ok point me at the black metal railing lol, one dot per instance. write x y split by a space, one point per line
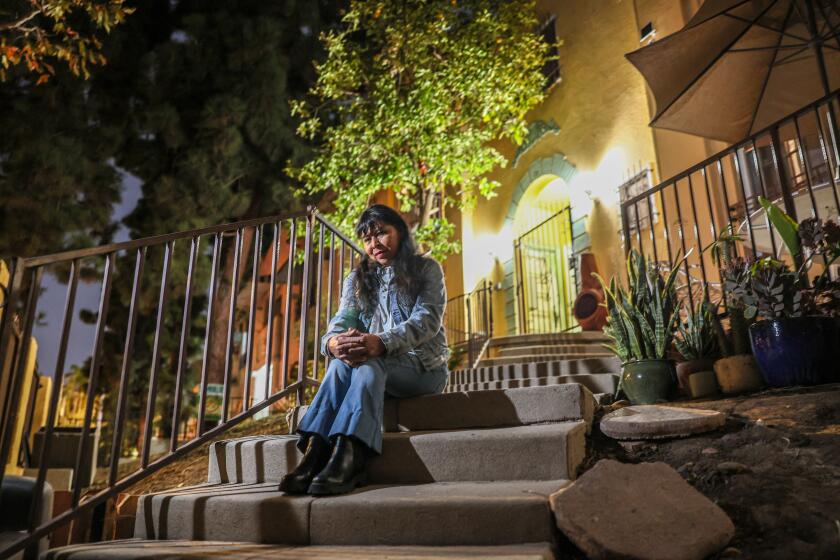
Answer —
157 324
545 273
469 322
794 163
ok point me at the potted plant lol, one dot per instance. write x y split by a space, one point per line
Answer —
698 345
796 338
640 322
736 371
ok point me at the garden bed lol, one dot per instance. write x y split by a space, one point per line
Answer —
774 468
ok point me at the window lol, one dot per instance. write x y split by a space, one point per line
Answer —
639 214
551 69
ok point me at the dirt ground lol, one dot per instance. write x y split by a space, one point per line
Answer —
774 468
192 468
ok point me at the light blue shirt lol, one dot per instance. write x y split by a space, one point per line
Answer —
422 330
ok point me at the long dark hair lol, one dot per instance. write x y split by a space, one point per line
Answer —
406 262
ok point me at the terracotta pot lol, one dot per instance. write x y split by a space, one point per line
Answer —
648 381
738 374
588 311
685 369
702 384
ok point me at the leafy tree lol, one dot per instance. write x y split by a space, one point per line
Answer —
409 98
55 175
199 92
212 126
37 33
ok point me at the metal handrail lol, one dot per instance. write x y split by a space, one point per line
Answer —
729 150
721 191
24 288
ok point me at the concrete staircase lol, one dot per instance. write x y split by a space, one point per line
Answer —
534 360
462 475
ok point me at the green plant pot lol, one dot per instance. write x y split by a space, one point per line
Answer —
648 381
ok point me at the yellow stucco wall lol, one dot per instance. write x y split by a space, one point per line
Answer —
602 111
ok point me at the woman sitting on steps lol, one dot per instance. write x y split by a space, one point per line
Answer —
387 337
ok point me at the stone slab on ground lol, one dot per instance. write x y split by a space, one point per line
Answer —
135 548
658 421
645 511
534 452
438 514
230 512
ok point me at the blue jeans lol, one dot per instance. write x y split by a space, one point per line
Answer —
350 400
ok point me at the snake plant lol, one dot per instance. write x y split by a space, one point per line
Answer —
697 338
641 318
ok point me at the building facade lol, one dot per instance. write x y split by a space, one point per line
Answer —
590 145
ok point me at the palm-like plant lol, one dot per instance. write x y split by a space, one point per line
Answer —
642 318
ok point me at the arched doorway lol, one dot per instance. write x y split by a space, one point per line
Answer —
537 284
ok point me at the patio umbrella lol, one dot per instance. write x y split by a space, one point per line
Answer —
740 65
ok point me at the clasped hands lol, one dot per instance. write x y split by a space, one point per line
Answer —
354 347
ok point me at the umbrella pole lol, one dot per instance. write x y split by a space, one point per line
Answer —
816 45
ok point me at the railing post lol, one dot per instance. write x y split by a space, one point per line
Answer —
625 227
10 399
304 305
784 184
469 332
490 310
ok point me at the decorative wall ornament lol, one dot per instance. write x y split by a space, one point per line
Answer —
556 165
536 130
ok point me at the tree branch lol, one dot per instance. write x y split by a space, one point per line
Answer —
20 22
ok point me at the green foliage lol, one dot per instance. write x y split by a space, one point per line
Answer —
642 318
409 99
733 270
784 225
768 289
35 34
696 338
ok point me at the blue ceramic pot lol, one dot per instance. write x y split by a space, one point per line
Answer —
797 351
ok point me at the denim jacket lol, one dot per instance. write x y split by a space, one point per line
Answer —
422 331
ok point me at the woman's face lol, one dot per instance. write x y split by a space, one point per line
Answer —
381 243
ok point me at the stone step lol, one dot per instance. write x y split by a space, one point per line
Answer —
531 358
435 514
586 337
539 349
597 383
488 409
491 409
533 452
207 550
530 370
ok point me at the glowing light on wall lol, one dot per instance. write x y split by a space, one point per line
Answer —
480 252
600 183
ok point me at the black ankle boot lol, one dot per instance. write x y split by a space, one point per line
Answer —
316 456
345 469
